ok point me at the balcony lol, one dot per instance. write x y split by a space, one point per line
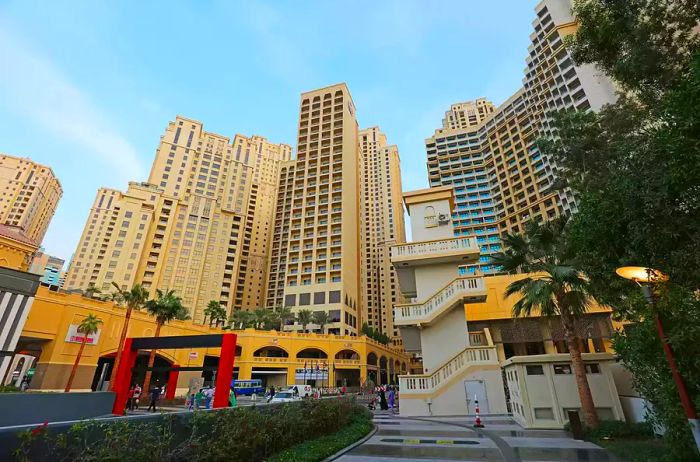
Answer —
461 290
458 249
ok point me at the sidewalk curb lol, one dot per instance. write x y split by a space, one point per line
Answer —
352 446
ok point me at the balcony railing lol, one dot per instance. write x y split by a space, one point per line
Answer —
433 249
430 383
445 298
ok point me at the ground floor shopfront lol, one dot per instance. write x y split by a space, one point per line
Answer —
50 336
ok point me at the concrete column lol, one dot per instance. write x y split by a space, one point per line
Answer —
501 352
549 347
363 373
245 370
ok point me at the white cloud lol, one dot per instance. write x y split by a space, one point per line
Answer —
32 86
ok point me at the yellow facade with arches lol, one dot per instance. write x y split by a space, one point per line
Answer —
270 355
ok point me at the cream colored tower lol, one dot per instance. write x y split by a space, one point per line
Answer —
383 226
29 195
191 226
322 267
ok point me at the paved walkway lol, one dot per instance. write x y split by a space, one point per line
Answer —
442 439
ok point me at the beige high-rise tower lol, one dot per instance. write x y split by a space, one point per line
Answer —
319 268
29 195
383 226
200 225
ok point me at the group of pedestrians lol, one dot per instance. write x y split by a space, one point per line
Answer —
387 395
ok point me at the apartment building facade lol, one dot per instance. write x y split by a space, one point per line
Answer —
49 267
316 246
29 194
196 226
488 154
382 222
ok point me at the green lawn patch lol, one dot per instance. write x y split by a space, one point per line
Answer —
325 446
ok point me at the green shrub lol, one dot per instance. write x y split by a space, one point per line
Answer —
619 429
9 389
250 433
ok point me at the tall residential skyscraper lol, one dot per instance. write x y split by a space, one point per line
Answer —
29 195
383 226
500 178
198 226
319 268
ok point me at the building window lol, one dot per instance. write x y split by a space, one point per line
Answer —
319 298
334 296
290 300
592 368
535 369
562 369
304 299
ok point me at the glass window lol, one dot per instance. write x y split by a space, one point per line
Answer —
534 369
592 368
562 369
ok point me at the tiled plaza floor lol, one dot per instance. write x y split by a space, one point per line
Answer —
443 439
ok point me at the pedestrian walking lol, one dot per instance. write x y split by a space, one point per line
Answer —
130 398
391 398
137 395
155 395
382 400
272 393
198 399
232 401
190 401
208 394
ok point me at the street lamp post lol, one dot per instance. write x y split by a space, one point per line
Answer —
651 276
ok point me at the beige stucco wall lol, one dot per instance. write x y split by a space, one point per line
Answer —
444 340
535 396
418 228
453 399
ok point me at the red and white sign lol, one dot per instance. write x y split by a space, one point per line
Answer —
194 355
73 336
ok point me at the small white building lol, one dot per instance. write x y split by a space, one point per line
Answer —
543 388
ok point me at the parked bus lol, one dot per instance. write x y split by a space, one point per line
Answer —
247 387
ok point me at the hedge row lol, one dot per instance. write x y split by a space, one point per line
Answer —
250 434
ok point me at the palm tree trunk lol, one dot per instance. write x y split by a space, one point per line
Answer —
589 414
151 360
120 347
75 364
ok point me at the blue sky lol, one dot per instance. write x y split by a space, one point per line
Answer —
87 87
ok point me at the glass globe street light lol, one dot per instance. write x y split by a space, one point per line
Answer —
646 278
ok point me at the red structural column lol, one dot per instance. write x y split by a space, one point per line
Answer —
123 378
172 382
225 372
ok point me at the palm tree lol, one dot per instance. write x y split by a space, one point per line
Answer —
272 320
134 300
219 315
321 318
165 307
215 312
304 317
88 326
92 290
553 287
241 319
284 314
261 317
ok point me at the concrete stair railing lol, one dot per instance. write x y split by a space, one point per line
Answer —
427 311
428 384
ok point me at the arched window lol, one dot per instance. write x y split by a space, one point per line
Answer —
430 217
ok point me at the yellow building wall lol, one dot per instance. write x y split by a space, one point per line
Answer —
497 306
52 313
14 254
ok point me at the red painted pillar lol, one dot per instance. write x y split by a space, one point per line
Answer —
225 372
123 378
172 382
